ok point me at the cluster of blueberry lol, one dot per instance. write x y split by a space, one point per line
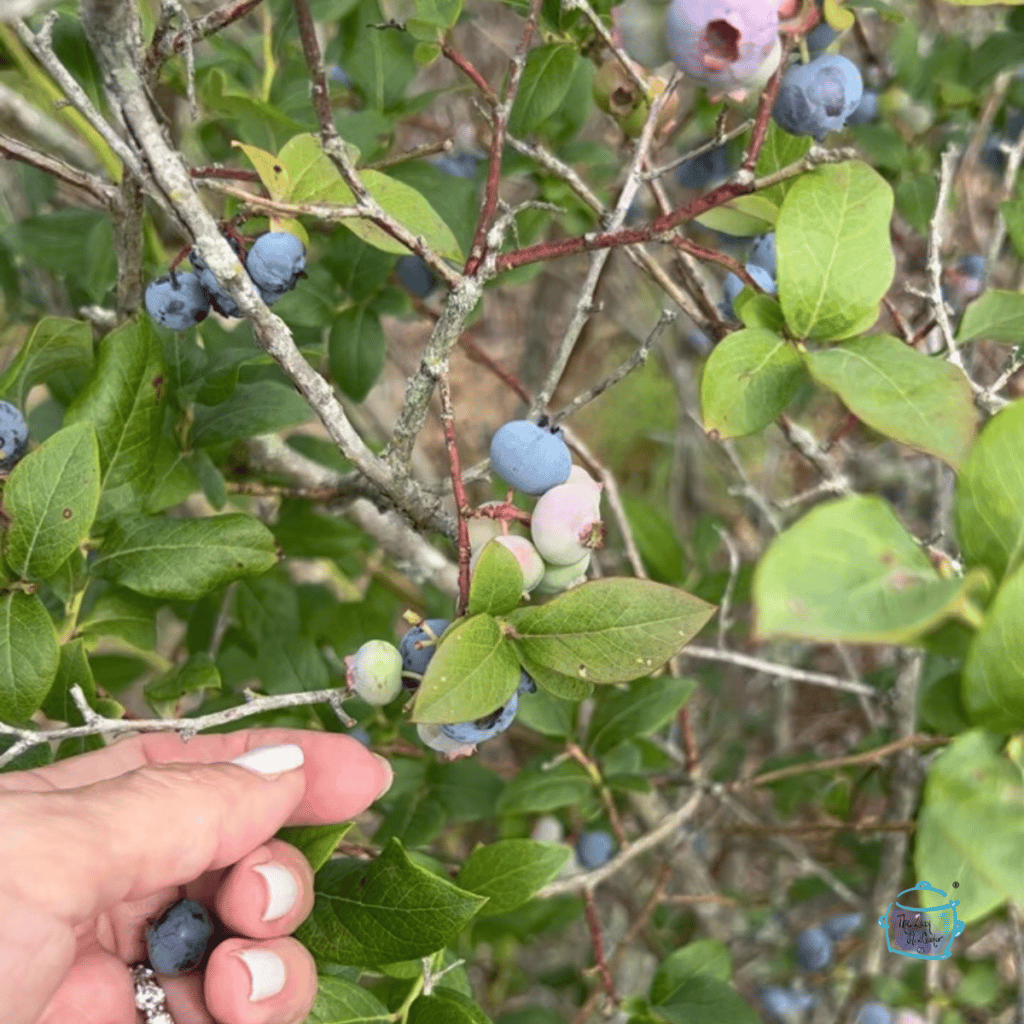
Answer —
565 527
761 265
13 437
181 299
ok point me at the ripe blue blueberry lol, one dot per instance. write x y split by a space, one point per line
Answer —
416 658
867 110
458 165
820 38
594 848
817 98
336 73
484 728
177 301
13 437
530 457
361 736
219 298
732 286
762 254
707 168
785 1006
874 1013
841 925
414 273
526 683
275 262
176 941
813 949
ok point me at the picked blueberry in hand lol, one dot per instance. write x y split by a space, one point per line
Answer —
176 941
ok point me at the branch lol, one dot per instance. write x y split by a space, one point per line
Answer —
102 192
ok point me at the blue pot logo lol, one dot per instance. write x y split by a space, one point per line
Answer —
923 933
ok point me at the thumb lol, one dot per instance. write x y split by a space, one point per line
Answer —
81 850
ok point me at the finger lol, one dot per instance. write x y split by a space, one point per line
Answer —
96 990
342 777
275 984
268 893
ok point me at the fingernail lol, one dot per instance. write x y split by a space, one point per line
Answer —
282 890
271 760
266 969
389 775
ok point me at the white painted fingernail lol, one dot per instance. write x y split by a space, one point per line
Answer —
272 760
282 888
267 971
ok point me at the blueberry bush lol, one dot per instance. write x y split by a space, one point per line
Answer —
633 454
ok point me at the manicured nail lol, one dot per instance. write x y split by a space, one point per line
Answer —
272 760
266 969
282 890
389 775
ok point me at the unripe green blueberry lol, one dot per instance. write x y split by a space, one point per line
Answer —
375 672
525 554
557 578
566 523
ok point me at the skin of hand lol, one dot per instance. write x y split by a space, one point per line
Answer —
92 846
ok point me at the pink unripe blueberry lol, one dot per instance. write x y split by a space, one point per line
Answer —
566 523
578 475
526 555
557 578
375 672
727 44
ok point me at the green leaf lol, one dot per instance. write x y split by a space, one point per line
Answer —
510 871
832 220
988 508
610 631
535 790
780 149
706 1001
185 558
643 708
916 195
357 348
197 673
315 842
996 315
749 378
446 1006
1013 214
122 614
259 408
124 401
704 958
465 789
50 501
29 656
849 572
543 86
970 827
343 1002
497 583
56 343
556 683
473 671
992 692
922 401
314 179
369 914
743 216
546 714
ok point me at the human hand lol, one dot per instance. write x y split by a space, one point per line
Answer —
92 846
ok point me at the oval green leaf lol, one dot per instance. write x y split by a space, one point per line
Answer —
51 500
922 401
748 379
834 252
497 583
29 656
510 871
